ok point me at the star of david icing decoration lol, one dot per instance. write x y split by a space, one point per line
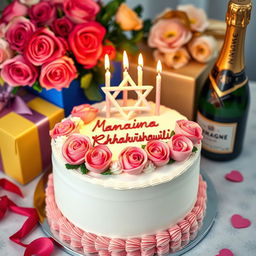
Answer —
127 85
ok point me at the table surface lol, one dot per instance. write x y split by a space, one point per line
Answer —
233 198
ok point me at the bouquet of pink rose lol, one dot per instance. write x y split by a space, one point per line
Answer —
49 43
179 35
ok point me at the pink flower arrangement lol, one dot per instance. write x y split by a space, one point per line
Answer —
62 40
75 148
174 31
63 128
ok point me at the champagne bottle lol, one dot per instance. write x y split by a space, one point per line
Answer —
224 100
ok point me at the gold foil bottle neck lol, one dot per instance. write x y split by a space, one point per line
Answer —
239 13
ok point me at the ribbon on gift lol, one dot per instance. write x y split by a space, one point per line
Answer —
25 142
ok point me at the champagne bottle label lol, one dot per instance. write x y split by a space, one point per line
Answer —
225 82
218 137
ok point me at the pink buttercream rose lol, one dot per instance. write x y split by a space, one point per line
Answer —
190 129
158 152
18 33
133 160
75 148
5 51
58 73
80 11
62 26
12 10
86 43
43 13
98 159
43 47
18 72
168 35
180 147
63 128
86 112
197 17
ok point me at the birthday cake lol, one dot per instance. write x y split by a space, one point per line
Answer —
126 177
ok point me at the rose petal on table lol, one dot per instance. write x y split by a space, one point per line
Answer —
225 252
239 221
234 176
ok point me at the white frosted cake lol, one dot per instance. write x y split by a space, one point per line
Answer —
126 187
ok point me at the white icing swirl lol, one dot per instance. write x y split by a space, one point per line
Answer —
150 167
115 168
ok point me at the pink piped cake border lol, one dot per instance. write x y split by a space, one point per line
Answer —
164 242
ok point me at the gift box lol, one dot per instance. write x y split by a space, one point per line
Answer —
67 98
25 149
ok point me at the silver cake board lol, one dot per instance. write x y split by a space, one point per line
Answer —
208 221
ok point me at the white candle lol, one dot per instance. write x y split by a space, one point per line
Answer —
107 84
158 88
140 71
125 73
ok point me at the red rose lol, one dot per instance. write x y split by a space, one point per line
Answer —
43 47
18 32
110 50
80 11
58 73
86 43
12 10
62 26
42 13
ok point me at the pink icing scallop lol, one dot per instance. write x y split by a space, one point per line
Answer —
116 245
133 245
88 242
163 242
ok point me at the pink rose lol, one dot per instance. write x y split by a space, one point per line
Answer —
58 74
133 160
86 112
190 129
63 128
62 26
86 43
5 51
43 47
12 10
158 152
75 148
18 72
197 17
18 33
80 11
42 13
98 159
168 35
180 147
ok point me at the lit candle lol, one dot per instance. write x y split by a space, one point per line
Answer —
125 74
140 71
107 83
158 88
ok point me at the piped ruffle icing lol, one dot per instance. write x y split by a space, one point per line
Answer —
164 242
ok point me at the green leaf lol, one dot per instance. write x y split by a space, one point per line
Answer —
147 25
86 80
129 47
15 90
138 9
83 169
171 161
72 167
137 36
107 172
194 149
143 146
37 87
93 93
59 13
172 133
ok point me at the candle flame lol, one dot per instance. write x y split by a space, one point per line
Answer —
107 64
140 60
125 61
159 67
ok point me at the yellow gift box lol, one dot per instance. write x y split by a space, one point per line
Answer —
25 149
